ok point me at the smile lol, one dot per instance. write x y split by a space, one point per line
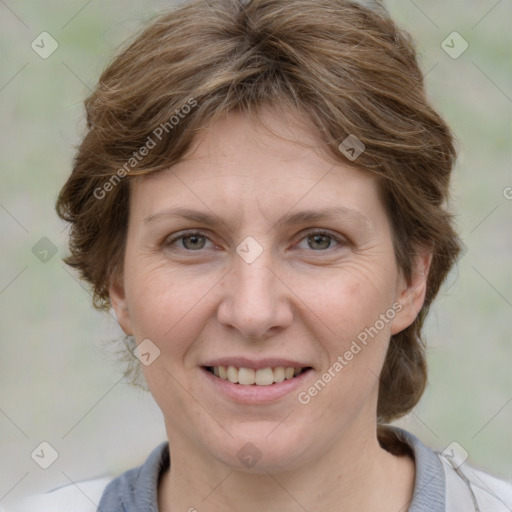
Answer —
255 377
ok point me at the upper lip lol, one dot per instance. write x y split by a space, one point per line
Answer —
255 364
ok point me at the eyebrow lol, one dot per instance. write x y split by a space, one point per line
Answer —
301 217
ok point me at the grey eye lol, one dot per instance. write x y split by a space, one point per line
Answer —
319 242
193 242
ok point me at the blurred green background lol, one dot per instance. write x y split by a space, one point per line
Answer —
59 380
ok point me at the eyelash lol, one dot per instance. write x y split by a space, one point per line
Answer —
187 234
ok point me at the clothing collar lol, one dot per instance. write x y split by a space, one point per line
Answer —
430 483
137 489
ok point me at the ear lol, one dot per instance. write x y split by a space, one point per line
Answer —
119 304
411 294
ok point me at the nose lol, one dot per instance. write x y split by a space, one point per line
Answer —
255 300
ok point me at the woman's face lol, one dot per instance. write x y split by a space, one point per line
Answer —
292 266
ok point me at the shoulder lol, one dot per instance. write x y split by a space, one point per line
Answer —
474 488
136 488
80 497
446 484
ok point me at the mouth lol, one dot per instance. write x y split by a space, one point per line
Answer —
249 381
268 376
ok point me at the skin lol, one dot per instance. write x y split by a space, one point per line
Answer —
305 299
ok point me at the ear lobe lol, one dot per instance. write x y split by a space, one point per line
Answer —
119 304
412 293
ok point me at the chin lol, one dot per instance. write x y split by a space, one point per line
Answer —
261 448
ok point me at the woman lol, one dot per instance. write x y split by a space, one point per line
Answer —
261 199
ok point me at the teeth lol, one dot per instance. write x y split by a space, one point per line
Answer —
279 373
232 374
264 377
261 377
246 376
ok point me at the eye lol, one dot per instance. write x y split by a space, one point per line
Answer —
191 241
195 241
322 240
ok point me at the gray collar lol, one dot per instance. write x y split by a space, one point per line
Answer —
430 483
137 489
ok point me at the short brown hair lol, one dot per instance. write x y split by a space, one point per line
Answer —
345 65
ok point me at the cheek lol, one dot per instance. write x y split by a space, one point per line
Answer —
353 308
351 299
356 312
166 305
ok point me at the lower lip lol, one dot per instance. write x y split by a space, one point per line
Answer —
254 394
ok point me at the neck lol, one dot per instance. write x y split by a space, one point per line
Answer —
354 474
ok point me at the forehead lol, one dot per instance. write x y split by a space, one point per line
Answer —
237 140
269 165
